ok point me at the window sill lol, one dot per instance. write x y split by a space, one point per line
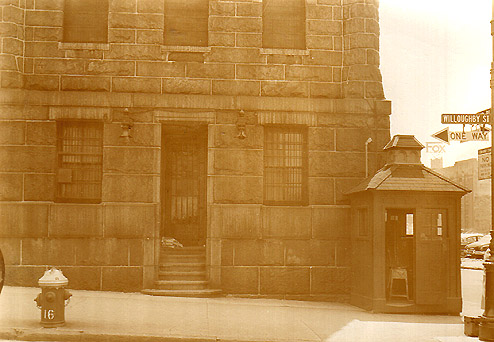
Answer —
179 48
297 52
83 46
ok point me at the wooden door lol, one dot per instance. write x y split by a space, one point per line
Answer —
184 186
431 257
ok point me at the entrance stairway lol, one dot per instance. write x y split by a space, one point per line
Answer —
182 273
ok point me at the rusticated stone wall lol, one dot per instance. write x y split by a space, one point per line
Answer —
333 87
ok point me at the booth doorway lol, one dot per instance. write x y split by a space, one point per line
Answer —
183 183
400 255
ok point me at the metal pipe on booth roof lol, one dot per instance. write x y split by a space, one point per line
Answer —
367 156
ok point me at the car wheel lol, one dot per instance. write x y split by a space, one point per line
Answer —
2 271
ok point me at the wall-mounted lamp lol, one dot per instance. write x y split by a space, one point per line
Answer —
241 123
126 125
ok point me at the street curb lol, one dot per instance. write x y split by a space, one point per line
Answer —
63 335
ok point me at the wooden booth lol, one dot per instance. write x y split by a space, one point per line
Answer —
406 236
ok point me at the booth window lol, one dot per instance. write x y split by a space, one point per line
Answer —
283 24
362 221
409 224
79 161
186 23
285 165
85 21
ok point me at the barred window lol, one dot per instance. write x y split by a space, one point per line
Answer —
80 160
285 165
186 22
85 21
283 24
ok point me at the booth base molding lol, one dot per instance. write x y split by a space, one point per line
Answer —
486 329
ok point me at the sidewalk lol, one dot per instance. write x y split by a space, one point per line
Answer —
110 316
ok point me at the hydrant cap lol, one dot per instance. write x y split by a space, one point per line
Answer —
53 277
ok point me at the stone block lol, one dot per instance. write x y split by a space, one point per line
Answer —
318 12
373 57
49 5
13 14
13 46
122 279
123 6
284 59
43 49
284 89
11 250
329 2
129 221
330 280
102 252
150 6
235 55
225 136
83 277
11 79
17 112
240 280
41 82
236 221
236 189
321 191
142 135
321 139
186 57
331 223
363 40
51 252
238 162
353 139
363 10
260 72
133 52
54 34
324 27
75 220
84 54
218 8
344 253
12 132
41 133
201 70
136 85
227 252
309 253
39 187
23 275
335 164
160 69
284 280
121 35
230 87
248 39
27 158
8 29
252 9
286 222
62 66
235 24
337 74
221 38
353 25
372 26
11 187
44 18
137 21
364 73
186 86
149 36
135 188
136 252
353 89
342 185
355 56
321 57
85 83
258 253
320 42
8 62
374 90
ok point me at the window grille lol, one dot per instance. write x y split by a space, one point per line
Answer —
186 22
85 21
285 166
283 24
80 160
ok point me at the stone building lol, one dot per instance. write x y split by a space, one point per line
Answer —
232 126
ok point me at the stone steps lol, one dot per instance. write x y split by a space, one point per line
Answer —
207 293
191 275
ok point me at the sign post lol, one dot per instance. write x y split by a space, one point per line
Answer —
484 163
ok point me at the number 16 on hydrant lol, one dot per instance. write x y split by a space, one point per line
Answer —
51 300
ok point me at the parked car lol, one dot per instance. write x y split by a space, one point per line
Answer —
477 249
467 238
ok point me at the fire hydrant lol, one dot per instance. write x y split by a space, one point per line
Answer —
51 300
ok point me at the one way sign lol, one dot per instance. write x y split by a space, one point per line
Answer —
447 136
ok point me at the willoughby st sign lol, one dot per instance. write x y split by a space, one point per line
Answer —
472 119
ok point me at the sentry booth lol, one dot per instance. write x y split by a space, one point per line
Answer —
406 236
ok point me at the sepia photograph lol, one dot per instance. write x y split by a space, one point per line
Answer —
246 170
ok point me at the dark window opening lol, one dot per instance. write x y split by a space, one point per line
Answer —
283 24
79 161
85 21
186 23
285 166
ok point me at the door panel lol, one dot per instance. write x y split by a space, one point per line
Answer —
184 202
431 256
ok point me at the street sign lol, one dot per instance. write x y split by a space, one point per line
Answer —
484 163
446 135
471 119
